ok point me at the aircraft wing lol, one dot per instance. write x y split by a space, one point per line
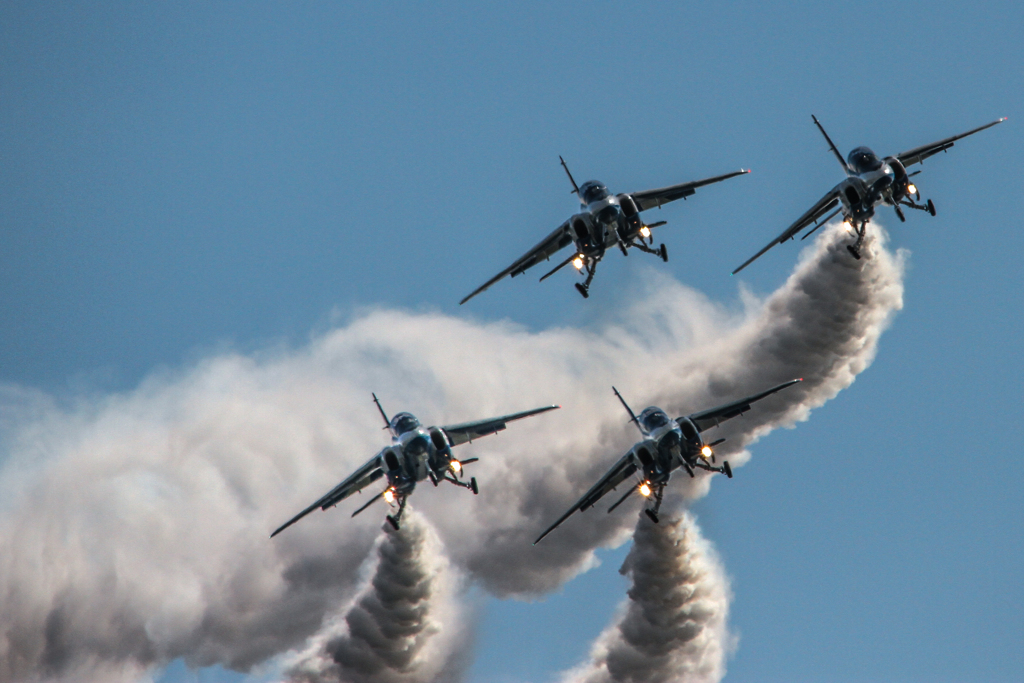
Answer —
711 418
919 154
558 239
648 199
364 476
467 431
621 471
824 205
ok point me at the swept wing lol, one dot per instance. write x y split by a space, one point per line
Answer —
558 239
712 418
648 199
822 207
622 470
467 431
919 154
364 476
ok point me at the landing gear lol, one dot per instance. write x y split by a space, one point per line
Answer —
928 206
471 485
659 492
584 287
704 465
394 520
663 253
689 470
854 248
899 214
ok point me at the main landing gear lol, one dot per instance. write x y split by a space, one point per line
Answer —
659 492
724 469
584 287
854 248
661 251
928 206
394 520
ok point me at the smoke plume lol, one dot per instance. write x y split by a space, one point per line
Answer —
403 626
673 625
134 527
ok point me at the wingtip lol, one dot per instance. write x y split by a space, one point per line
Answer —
746 170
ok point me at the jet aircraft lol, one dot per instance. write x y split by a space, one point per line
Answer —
869 182
604 220
666 446
416 453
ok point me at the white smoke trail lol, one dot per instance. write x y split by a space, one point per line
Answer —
133 527
673 625
404 625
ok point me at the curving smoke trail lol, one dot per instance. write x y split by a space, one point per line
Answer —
673 625
403 626
133 527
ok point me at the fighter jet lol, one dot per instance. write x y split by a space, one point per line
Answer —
604 220
416 453
870 181
667 445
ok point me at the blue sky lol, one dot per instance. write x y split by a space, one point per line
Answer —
181 180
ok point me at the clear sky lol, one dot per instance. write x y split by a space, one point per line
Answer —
181 179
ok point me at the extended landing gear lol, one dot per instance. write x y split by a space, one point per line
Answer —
724 469
928 206
854 248
659 492
661 252
584 287
394 520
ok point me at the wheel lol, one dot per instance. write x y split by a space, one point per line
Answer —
853 250
663 252
472 485
689 470
931 207
653 515
393 522
899 214
728 470
582 290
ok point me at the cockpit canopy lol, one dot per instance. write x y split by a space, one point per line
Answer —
592 191
863 160
404 422
652 418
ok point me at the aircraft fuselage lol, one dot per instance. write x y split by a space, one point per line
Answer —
414 454
871 181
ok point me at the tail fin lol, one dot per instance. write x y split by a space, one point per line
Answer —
387 422
575 187
832 146
632 417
